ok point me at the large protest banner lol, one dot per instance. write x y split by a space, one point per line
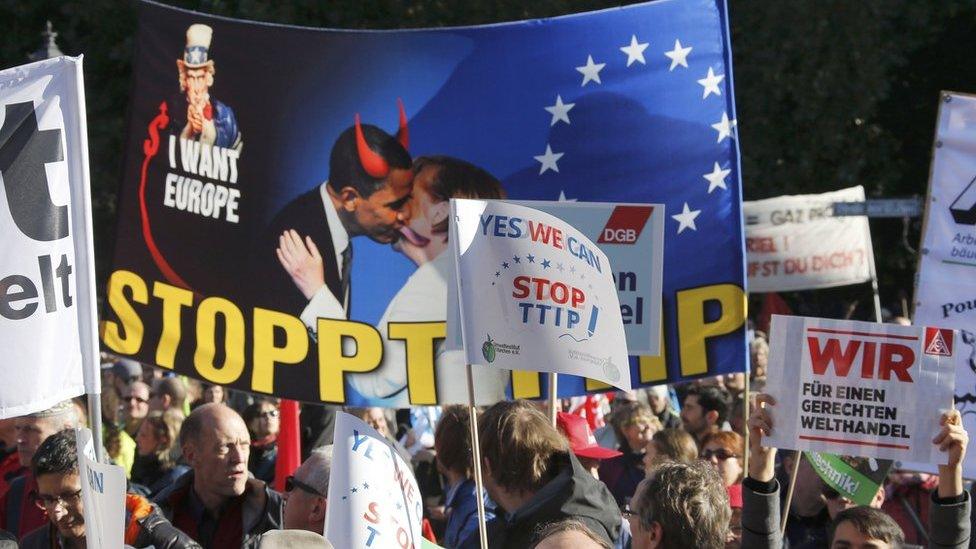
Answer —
248 214
795 243
374 500
945 286
103 493
541 287
860 388
47 309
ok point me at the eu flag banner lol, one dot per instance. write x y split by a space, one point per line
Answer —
272 212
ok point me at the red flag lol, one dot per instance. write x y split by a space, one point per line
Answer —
773 304
289 444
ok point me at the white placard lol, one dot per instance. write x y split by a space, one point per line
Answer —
47 307
374 500
536 294
795 243
860 388
945 290
103 495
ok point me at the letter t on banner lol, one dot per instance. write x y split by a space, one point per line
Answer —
48 323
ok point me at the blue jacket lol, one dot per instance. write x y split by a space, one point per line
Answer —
462 513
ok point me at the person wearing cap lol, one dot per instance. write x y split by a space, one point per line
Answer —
452 444
18 514
659 399
582 442
207 120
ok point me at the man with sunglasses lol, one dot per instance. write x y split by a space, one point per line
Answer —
58 495
306 492
134 407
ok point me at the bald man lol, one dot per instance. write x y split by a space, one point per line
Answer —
217 503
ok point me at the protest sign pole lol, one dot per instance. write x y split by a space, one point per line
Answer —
745 415
476 461
789 492
553 399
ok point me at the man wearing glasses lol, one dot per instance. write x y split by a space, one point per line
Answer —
17 514
58 495
135 407
306 492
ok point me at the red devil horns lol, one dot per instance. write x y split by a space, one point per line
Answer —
403 134
374 164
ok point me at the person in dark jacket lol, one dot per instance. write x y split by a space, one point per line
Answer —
263 423
55 466
534 479
635 425
452 442
217 503
157 453
949 515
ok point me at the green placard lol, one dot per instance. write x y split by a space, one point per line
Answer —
855 478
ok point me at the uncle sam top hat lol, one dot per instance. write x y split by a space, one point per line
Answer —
197 52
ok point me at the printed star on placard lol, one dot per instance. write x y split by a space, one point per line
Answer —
716 179
562 197
572 269
504 264
498 273
678 56
686 219
559 267
591 71
546 263
548 160
531 258
365 486
635 51
711 82
517 259
560 111
354 489
724 127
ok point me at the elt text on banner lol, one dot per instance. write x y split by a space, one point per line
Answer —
254 211
535 294
860 388
47 310
795 243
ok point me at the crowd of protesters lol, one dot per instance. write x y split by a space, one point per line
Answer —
664 467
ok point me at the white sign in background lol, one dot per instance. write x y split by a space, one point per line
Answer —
374 500
103 494
795 243
860 388
945 292
48 325
536 294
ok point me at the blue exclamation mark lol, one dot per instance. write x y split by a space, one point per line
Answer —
594 314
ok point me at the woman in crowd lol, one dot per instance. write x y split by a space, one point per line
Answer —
634 425
156 464
669 445
724 450
263 423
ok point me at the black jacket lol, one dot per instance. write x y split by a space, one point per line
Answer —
262 507
572 493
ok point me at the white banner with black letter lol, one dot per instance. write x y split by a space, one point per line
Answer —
48 329
945 292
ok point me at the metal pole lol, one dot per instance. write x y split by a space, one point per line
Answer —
745 414
789 492
95 422
553 399
877 298
476 450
